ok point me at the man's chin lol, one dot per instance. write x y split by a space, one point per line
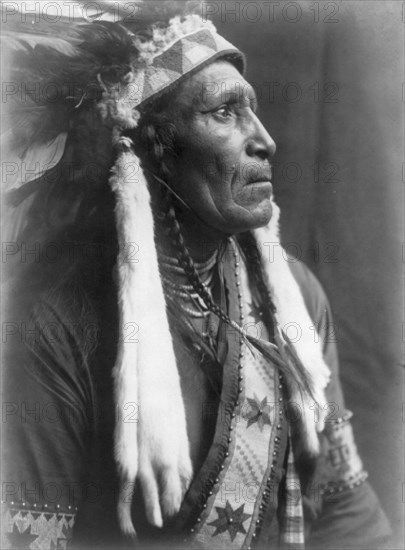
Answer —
263 214
256 218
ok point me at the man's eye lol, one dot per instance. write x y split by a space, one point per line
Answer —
224 111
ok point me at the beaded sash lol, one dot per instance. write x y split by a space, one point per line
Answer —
248 477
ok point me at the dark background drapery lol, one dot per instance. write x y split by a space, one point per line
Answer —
329 78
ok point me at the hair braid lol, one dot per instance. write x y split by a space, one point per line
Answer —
291 363
187 263
155 139
255 270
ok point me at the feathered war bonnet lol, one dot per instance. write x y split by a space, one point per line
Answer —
154 449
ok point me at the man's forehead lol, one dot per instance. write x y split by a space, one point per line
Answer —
218 81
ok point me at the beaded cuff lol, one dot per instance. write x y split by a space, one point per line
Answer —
340 467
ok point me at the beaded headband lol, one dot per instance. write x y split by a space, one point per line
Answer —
184 57
185 47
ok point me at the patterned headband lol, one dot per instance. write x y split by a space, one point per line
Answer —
184 57
173 54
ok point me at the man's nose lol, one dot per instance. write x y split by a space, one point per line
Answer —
260 143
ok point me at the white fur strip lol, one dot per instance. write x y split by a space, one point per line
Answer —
291 308
155 446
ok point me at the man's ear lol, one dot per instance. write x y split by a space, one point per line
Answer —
156 140
164 146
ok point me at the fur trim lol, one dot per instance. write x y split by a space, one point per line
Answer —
164 38
154 449
291 308
116 106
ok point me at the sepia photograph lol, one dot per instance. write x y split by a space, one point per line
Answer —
203 251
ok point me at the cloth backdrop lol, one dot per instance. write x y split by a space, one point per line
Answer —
329 76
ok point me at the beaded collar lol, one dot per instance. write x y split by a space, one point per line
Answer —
189 299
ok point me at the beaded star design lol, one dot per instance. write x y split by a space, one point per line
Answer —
254 309
257 412
230 520
22 539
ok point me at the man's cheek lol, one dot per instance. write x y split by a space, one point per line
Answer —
222 194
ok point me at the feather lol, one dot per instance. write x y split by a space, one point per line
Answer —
52 84
285 358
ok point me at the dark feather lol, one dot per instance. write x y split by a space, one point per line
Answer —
283 357
55 85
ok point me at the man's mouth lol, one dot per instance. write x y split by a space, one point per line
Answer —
259 189
260 184
262 176
261 180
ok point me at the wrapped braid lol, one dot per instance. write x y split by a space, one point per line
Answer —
187 264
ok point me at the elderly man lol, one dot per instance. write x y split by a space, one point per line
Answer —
155 399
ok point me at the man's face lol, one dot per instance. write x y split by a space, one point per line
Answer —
222 171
